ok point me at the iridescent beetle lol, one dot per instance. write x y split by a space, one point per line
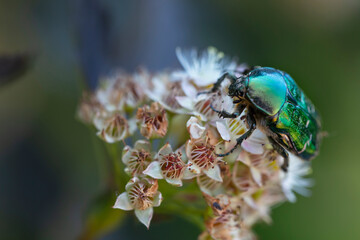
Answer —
278 107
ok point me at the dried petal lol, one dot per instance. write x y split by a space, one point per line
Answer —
122 202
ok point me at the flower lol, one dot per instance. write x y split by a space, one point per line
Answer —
257 205
89 108
164 90
112 127
141 195
242 177
138 158
256 143
262 167
226 223
213 187
200 151
122 90
200 105
153 120
228 227
170 166
293 180
205 68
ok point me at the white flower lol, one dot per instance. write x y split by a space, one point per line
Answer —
258 205
113 127
228 227
263 167
89 107
243 177
294 181
200 151
165 91
203 69
141 195
213 187
230 129
256 143
226 224
122 90
170 166
200 104
138 158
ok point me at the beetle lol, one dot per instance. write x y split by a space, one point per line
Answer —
278 107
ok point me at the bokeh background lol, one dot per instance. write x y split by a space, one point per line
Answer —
49 162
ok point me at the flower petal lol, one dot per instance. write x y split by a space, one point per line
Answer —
193 168
214 173
154 170
175 181
126 155
222 129
256 174
165 150
188 89
195 129
142 144
157 199
185 102
188 174
122 202
145 216
255 143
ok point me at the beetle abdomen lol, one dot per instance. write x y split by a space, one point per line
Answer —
298 130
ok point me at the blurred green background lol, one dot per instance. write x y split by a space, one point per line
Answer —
49 162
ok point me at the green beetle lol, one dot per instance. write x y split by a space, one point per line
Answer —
278 107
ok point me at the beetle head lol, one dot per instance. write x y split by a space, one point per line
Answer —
237 88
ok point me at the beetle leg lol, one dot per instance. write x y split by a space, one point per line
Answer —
221 79
279 149
225 114
252 124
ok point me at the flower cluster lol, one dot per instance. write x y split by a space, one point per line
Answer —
171 131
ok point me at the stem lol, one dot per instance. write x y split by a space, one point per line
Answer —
116 165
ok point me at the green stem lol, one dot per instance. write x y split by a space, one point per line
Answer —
116 168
